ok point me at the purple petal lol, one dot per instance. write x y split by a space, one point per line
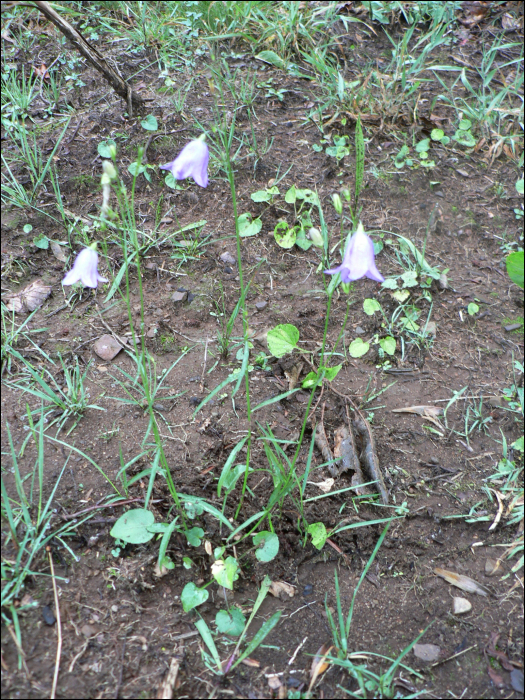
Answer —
85 269
374 274
192 161
334 270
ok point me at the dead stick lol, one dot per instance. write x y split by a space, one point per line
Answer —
201 386
92 55
59 628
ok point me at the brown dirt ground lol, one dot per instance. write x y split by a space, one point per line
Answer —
122 625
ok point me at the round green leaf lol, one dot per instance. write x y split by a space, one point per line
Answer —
388 344
437 134
225 572
389 283
290 197
192 596
465 124
193 509
247 227
409 278
41 241
472 309
318 533
268 545
194 536
519 186
27 228
515 267
401 295
358 348
150 123
370 306
422 146
136 169
103 148
285 236
465 138
230 622
260 196
282 339
133 526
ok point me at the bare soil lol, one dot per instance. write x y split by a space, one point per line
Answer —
121 624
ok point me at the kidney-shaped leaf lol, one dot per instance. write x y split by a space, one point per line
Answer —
192 596
230 622
284 235
133 526
358 348
268 545
225 572
282 339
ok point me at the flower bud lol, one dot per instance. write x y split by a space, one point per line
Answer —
316 237
109 169
338 204
113 150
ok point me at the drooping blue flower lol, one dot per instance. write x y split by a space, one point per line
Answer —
192 161
358 260
85 269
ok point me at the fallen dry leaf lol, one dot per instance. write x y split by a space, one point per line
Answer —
41 72
496 678
510 23
492 566
293 375
29 298
325 485
57 251
429 412
282 590
273 681
464 582
319 664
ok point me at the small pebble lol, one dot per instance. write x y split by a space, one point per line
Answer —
461 606
308 589
359 331
195 401
48 615
179 297
260 305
